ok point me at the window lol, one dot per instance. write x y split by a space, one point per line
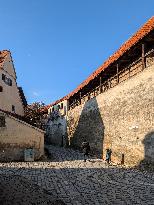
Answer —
7 81
13 108
58 107
2 121
1 89
64 110
61 105
52 109
3 77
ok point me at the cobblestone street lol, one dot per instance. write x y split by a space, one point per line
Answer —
68 178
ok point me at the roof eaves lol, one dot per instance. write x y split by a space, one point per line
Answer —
20 118
141 33
134 39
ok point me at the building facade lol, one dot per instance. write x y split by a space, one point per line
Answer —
10 99
16 136
56 131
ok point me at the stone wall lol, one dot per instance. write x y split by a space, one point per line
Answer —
122 119
17 136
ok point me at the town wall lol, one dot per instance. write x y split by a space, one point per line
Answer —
122 118
17 136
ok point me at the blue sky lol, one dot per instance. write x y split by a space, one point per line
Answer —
56 44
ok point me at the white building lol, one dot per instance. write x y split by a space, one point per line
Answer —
16 136
56 132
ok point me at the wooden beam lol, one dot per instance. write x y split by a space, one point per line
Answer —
117 73
143 56
80 97
109 83
124 60
100 84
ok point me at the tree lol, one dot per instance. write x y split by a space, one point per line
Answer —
36 114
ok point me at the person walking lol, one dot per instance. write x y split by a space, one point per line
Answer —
110 152
108 155
86 149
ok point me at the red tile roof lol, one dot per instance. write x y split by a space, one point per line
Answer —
3 55
142 32
56 102
19 117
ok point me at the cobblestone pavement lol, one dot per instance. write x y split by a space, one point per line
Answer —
17 190
68 178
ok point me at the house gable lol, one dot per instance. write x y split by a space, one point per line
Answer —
8 65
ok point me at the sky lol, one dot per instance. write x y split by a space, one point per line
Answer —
57 44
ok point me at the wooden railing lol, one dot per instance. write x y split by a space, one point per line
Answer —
123 75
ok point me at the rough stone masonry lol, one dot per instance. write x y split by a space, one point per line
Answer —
121 119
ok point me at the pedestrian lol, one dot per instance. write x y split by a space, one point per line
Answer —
107 156
86 149
110 152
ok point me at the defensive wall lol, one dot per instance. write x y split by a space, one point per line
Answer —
120 118
114 107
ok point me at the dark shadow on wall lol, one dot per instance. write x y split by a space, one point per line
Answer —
148 162
90 127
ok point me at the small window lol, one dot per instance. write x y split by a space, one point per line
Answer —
58 107
52 109
64 110
13 108
1 89
3 77
61 105
2 121
7 81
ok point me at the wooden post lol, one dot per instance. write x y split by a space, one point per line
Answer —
68 105
88 95
143 56
100 84
109 83
129 71
80 97
117 73
74 102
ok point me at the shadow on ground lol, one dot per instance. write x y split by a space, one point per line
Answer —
15 190
81 184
